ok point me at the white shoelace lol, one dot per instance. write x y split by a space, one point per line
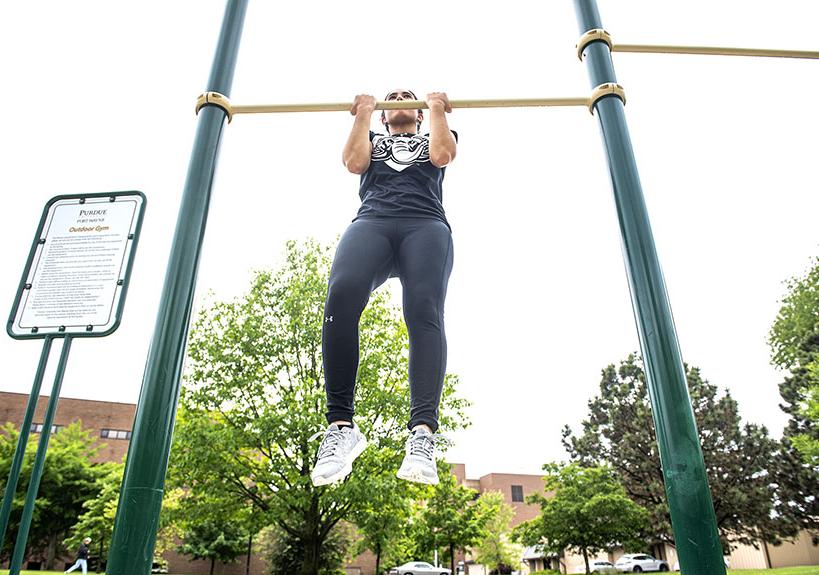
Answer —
331 442
424 445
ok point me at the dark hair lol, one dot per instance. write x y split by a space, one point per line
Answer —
384 115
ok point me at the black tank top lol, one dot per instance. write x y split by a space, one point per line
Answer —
401 181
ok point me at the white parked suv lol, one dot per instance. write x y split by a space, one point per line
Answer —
419 568
637 562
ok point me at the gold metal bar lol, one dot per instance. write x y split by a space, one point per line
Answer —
411 105
714 51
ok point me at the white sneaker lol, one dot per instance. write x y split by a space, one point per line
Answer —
419 461
336 454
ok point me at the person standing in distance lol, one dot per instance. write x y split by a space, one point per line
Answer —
401 231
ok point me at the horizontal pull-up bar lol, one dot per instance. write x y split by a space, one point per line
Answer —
411 105
217 99
715 51
600 35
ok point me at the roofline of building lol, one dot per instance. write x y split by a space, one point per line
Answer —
62 397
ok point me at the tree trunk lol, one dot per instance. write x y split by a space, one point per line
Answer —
249 553
310 563
51 552
212 564
586 560
312 539
452 558
99 559
377 559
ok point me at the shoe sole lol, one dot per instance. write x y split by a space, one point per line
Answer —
348 466
416 475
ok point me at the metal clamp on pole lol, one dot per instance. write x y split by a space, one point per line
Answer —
215 99
594 35
603 90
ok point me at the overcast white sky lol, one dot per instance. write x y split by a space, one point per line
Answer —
99 96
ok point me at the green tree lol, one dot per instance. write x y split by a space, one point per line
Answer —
215 539
739 460
588 511
97 520
495 547
794 341
449 519
284 555
384 512
211 525
254 396
68 480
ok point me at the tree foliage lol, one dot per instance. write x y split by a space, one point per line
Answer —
587 511
99 514
739 459
794 341
448 520
494 547
69 479
254 396
797 320
385 508
283 552
214 539
97 519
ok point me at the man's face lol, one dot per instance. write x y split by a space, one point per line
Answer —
401 116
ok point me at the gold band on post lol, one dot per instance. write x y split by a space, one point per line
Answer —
594 35
216 99
607 89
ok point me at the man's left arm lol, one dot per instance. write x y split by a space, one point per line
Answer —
442 145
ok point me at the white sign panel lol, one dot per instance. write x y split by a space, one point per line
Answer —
78 267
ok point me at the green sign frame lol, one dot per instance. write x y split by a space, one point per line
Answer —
93 239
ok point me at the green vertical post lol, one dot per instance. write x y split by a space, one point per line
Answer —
134 538
22 440
686 482
39 463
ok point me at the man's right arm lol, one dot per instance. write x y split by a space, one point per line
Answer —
358 149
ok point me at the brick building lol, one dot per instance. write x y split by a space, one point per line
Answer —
111 424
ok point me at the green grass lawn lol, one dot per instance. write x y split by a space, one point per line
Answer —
804 570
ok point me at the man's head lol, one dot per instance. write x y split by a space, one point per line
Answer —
401 117
87 540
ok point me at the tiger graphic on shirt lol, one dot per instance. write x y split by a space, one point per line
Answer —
400 152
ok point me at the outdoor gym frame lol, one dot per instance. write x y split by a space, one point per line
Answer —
689 498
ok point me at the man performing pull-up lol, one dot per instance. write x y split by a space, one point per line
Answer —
400 230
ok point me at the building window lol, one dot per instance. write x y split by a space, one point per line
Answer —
517 493
115 434
38 428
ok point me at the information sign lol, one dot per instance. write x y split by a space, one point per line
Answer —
78 269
